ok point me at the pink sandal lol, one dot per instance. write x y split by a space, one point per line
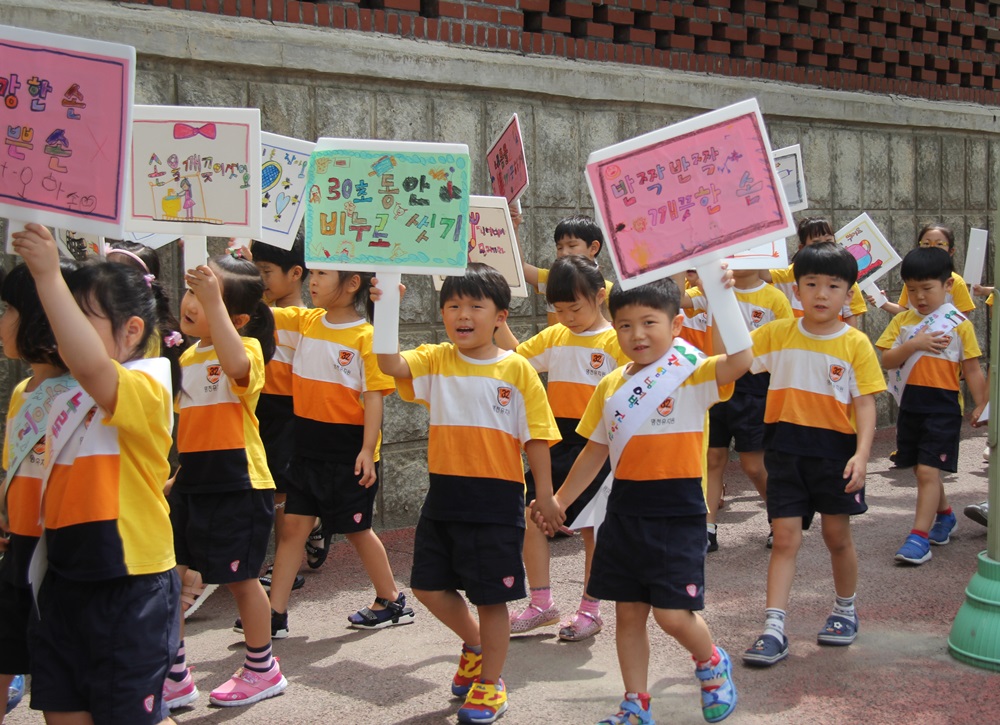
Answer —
527 621
583 626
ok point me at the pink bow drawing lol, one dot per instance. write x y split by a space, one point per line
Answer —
183 130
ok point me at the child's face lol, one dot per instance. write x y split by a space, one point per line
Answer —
744 275
279 284
470 323
9 322
935 238
574 245
582 314
927 295
194 323
822 297
816 239
328 291
646 333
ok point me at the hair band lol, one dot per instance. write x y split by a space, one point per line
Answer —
131 255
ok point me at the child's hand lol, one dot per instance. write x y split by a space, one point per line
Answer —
38 249
871 299
376 292
204 284
515 216
728 280
855 471
170 482
364 466
550 514
934 342
976 414
981 290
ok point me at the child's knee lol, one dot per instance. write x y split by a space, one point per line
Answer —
717 458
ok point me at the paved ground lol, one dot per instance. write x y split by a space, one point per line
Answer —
898 671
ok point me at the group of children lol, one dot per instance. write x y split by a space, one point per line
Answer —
289 396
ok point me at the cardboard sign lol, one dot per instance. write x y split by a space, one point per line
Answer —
766 256
492 241
153 241
975 257
507 164
869 246
388 205
696 191
788 163
74 245
67 120
195 171
284 162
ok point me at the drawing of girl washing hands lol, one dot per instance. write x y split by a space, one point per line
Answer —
188 196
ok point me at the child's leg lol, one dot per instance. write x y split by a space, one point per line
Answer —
541 610
279 514
69 718
587 621
632 642
494 633
781 569
689 629
5 681
843 557
255 611
451 610
376 563
288 557
717 460
752 463
930 497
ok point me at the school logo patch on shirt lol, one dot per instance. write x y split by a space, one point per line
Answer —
597 360
666 407
503 396
213 373
836 373
757 316
39 448
345 358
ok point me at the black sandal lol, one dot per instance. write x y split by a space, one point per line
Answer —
394 613
316 555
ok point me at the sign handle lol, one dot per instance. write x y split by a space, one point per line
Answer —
975 257
195 251
386 340
870 288
724 307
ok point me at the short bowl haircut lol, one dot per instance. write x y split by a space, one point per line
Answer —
948 234
661 295
581 227
827 258
35 340
479 282
572 277
284 258
813 227
924 263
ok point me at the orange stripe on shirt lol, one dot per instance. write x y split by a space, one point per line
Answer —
67 505
476 452
24 501
327 402
679 455
813 410
934 372
225 420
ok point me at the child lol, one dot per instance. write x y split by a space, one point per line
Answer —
577 354
819 425
696 329
471 527
26 335
656 507
337 392
222 503
941 237
924 356
742 416
813 230
108 605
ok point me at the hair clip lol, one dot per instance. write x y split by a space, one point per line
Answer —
235 252
149 280
173 339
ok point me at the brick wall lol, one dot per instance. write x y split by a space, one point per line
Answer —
943 50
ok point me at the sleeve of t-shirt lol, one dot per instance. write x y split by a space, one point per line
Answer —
890 337
761 338
255 380
714 393
783 275
868 375
543 278
541 424
536 350
591 425
698 299
858 305
143 403
970 345
960 294
375 379
417 388
781 307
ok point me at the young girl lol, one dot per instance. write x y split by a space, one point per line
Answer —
222 502
337 392
26 335
576 354
107 626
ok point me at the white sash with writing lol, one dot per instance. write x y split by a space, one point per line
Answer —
944 319
631 405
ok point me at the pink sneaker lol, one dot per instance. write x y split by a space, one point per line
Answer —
179 694
532 617
247 687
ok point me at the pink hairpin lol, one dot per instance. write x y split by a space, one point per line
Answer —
173 339
149 280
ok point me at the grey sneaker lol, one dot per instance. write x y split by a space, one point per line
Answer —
979 512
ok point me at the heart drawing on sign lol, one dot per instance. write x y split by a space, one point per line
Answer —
281 202
88 203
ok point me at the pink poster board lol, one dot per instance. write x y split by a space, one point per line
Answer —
67 125
507 164
699 190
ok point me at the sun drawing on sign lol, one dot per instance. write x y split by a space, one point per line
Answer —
640 254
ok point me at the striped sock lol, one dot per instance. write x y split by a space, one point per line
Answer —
259 659
774 623
178 671
844 606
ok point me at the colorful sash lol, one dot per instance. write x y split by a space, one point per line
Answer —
944 319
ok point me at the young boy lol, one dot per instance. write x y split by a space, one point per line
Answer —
924 349
485 405
656 508
819 424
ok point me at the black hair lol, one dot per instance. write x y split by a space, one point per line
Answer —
813 227
35 341
572 277
283 258
827 258
925 263
660 295
945 230
117 292
243 294
149 257
581 227
479 282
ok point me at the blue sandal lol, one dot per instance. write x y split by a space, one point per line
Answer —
838 631
629 713
766 651
718 703
394 613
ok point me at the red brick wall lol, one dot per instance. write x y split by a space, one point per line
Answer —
941 49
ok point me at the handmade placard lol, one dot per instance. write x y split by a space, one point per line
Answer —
147 239
74 245
284 162
388 205
492 241
869 247
697 191
506 162
67 110
195 171
791 174
771 255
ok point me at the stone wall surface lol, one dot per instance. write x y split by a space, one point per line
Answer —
905 161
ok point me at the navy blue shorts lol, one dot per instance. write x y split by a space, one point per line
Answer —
276 420
223 536
105 647
16 608
483 560
930 439
807 485
331 491
651 559
741 418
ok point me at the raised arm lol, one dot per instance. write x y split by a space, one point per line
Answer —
204 284
392 364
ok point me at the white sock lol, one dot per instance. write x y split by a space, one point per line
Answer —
774 623
844 606
711 528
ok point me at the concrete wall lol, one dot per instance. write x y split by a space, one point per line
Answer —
904 161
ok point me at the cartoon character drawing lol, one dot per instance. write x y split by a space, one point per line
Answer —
188 198
862 251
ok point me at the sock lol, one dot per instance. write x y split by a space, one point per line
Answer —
710 662
945 512
844 606
774 623
474 649
259 659
921 534
711 528
541 597
178 671
642 698
590 606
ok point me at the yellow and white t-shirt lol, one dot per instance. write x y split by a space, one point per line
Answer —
784 280
696 327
